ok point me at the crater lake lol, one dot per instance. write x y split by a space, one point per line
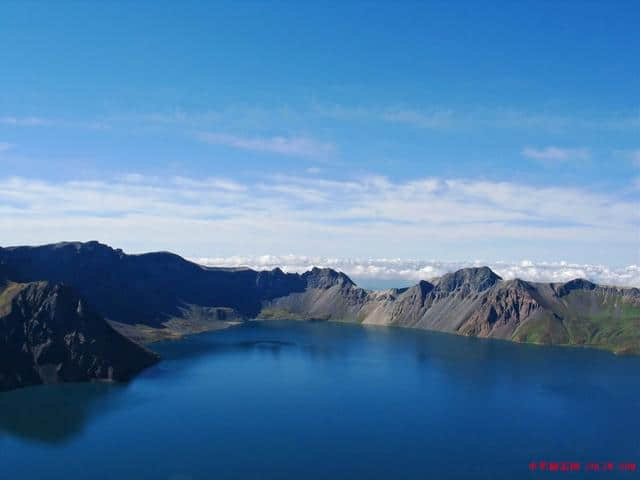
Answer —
292 400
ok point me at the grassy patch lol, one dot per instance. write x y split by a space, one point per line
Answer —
546 329
277 314
7 295
606 322
587 319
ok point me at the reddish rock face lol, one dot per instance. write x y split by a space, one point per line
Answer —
502 310
476 302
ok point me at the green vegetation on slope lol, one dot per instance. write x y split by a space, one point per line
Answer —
546 329
590 319
278 314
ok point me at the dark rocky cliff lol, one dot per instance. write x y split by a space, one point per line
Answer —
49 334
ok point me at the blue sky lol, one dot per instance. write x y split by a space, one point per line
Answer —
501 131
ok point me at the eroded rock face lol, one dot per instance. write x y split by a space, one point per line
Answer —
477 302
468 280
276 283
325 278
49 334
501 311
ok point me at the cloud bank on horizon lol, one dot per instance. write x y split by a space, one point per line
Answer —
411 271
370 216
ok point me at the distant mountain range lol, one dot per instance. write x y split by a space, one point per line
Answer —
477 302
58 304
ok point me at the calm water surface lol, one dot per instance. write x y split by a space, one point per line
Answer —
314 400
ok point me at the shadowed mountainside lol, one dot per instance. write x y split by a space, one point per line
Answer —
159 295
149 288
48 334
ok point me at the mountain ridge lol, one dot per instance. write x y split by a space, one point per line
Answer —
166 295
477 302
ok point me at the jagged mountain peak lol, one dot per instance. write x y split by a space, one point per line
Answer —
563 289
325 278
475 278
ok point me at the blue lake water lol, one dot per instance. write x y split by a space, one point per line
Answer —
296 400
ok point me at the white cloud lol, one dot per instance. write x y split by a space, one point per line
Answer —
255 118
498 118
557 154
294 146
133 178
210 183
411 271
429 120
25 121
58 123
369 216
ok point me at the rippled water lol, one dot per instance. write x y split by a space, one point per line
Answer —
316 400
